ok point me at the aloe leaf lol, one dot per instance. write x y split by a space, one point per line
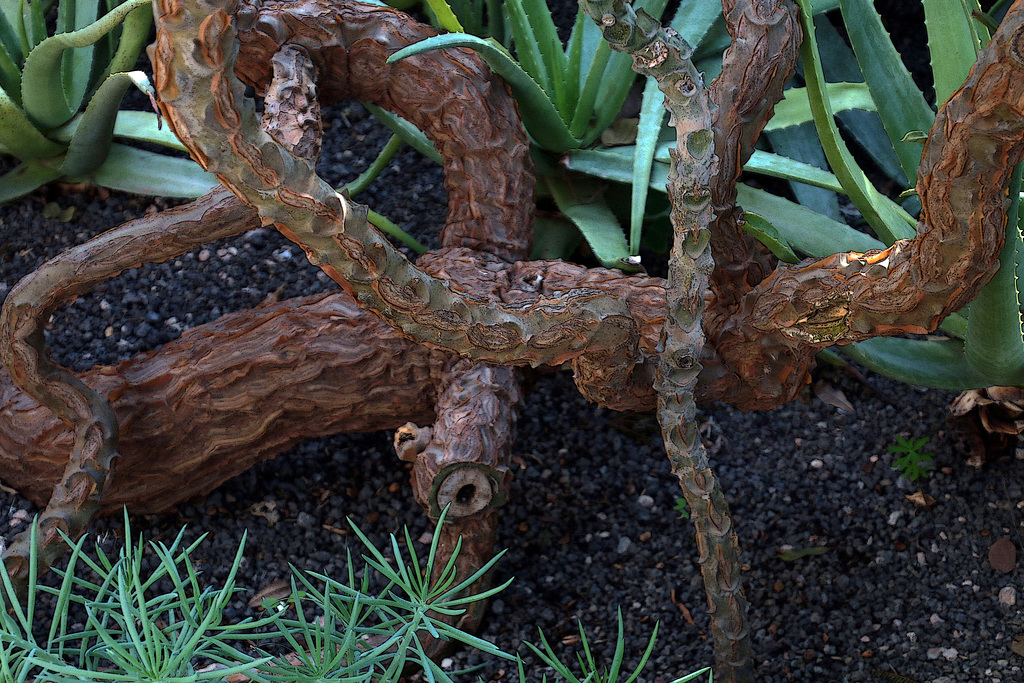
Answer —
35 24
76 66
652 113
42 94
618 78
19 137
10 52
885 217
806 231
538 49
592 217
785 168
800 143
10 74
767 235
936 364
410 134
91 141
25 178
10 39
839 63
134 36
609 164
900 103
574 53
554 238
141 126
994 345
147 173
445 17
693 20
585 106
953 43
795 107
540 116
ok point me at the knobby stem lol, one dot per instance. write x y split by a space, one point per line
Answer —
661 54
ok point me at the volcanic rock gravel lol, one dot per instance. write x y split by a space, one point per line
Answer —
591 525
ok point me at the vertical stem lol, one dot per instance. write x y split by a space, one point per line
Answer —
661 54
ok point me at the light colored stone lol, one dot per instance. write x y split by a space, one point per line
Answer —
1008 596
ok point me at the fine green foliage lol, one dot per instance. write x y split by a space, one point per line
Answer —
113 621
60 97
913 463
589 668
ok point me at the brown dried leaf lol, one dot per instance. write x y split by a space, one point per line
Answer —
1018 646
273 591
1002 555
682 608
267 509
921 499
833 396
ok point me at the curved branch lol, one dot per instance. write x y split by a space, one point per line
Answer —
910 287
486 156
757 65
207 108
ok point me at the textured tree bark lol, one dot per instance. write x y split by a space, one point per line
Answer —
661 54
223 397
313 359
910 287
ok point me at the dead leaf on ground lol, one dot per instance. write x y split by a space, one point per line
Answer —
833 396
800 553
1017 646
921 499
273 591
1002 555
682 608
267 509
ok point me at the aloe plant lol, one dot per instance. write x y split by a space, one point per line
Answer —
60 97
983 344
569 96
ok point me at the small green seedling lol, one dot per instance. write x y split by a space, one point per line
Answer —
682 507
913 464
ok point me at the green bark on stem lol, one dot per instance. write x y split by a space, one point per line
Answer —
661 54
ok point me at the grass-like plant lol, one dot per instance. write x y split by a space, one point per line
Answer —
60 96
111 621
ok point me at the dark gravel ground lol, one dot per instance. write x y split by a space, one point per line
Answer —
591 526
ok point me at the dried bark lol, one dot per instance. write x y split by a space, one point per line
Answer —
757 65
762 338
225 396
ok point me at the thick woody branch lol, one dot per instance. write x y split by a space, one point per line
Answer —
977 138
757 65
